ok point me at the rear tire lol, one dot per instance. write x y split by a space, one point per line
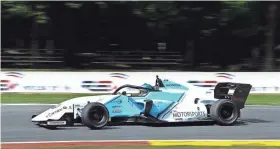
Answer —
95 116
224 112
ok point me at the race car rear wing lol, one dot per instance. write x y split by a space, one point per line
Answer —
235 91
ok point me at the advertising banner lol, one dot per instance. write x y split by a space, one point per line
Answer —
107 82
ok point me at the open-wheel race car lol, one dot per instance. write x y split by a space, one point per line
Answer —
166 102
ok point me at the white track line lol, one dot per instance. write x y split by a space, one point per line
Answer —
27 104
74 141
98 141
261 105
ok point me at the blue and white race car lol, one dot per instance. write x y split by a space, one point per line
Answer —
166 102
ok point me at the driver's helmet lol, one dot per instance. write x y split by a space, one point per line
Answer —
143 91
147 86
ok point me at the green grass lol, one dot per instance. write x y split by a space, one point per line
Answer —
168 147
38 98
267 99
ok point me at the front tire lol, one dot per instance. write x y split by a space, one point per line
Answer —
95 116
224 112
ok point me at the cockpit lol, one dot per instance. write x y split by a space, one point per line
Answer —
139 91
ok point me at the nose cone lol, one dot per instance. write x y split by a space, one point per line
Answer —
40 117
33 118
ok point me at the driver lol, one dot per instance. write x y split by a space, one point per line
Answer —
142 92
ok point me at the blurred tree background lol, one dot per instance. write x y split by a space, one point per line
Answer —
219 32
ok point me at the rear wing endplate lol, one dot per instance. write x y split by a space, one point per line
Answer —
237 92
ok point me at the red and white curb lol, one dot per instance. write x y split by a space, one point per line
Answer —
50 144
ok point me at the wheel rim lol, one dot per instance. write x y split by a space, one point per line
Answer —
97 114
227 112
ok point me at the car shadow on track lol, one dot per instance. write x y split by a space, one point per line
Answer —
181 124
251 121
177 124
240 122
79 126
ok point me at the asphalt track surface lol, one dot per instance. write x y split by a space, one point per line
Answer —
256 122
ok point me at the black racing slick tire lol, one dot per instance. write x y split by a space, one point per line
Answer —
224 112
95 116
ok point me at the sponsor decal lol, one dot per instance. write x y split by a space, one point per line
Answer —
173 85
206 101
188 114
30 87
117 111
116 106
208 92
117 101
118 75
44 88
56 111
179 119
104 85
56 122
